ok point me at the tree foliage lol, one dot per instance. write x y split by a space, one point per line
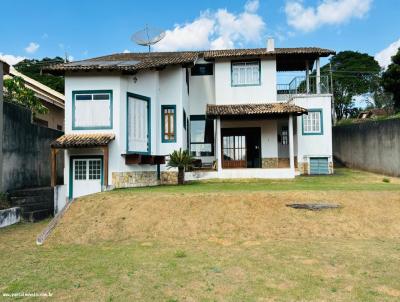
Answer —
391 80
16 92
354 74
32 68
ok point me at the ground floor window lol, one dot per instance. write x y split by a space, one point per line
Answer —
201 136
234 147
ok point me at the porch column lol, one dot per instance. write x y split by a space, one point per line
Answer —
218 145
307 77
54 167
105 157
318 79
291 146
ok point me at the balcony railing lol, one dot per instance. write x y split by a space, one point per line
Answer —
300 85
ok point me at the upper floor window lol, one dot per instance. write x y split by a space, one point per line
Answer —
92 109
138 124
168 122
202 70
312 122
246 73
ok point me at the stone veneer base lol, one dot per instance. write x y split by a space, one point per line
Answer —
143 179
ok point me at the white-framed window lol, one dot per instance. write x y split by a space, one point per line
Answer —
138 124
92 109
312 122
246 73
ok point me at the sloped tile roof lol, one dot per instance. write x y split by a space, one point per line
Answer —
68 141
132 62
227 53
253 109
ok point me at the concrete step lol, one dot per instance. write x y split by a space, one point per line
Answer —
21 201
42 191
34 216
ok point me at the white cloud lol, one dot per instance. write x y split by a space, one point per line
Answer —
126 51
11 59
32 47
70 58
384 57
252 6
328 12
219 29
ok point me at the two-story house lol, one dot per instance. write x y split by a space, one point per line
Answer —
124 113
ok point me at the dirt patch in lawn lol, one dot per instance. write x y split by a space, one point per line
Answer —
228 218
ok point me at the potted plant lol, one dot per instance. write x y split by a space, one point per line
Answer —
181 160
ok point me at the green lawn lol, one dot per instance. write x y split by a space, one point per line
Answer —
216 241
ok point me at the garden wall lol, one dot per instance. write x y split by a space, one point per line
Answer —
26 150
372 146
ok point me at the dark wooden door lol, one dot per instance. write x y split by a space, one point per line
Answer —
241 147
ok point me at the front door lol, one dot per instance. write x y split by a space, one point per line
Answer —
241 147
86 176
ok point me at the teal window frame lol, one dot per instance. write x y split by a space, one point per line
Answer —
321 132
76 92
148 100
200 117
71 170
163 107
246 61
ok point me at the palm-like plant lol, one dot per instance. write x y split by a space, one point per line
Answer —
181 160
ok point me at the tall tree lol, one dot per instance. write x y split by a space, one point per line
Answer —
354 74
16 92
33 69
391 80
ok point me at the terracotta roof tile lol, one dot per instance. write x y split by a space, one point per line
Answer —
132 62
212 54
82 140
253 109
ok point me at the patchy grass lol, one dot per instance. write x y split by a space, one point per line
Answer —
188 244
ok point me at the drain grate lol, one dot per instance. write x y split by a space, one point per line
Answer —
313 206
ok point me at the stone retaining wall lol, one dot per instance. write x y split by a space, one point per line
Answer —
143 179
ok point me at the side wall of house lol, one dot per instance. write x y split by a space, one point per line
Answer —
318 145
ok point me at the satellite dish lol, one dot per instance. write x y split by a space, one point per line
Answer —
148 36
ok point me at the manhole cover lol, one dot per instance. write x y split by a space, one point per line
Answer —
313 206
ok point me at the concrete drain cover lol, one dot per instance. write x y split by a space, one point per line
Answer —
313 206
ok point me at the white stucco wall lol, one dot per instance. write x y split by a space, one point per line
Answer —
227 94
315 145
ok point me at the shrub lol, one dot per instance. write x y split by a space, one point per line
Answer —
181 160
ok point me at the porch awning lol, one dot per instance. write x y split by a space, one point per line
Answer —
263 109
68 141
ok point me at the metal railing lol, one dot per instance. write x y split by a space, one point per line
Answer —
300 85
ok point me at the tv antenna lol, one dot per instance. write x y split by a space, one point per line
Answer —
148 36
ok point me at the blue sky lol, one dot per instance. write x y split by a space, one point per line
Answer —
89 28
